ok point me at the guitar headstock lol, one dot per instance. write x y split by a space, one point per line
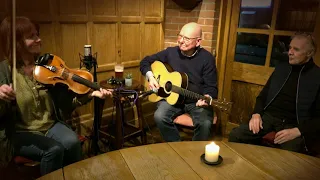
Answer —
223 105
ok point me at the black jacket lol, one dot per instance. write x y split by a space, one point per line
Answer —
307 100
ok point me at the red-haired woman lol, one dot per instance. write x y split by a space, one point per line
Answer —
40 133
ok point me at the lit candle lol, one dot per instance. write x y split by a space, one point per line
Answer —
212 152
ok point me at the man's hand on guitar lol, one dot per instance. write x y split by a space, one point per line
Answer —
153 84
202 102
102 94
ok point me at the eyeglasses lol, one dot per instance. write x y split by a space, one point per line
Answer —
309 36
186 39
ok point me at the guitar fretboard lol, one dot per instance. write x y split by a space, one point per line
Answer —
189 94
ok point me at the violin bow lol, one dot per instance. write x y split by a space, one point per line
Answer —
14 55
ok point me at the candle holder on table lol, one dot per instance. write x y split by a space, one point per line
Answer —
211 155
220 159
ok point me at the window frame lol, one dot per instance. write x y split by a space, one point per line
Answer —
256 74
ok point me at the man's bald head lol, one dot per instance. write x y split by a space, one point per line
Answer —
189 38
191 30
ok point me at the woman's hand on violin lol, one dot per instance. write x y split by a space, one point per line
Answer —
102 94
7 93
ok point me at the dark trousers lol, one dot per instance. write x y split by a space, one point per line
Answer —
242 134
59 147
201 117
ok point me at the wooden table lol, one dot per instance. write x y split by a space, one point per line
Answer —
181 160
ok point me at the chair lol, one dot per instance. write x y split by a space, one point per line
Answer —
268 139
185 121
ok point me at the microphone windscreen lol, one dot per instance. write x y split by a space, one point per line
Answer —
87 50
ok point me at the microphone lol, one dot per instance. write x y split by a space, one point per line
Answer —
148 93
88 61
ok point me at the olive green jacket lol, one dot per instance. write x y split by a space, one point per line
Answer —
64 102
6 122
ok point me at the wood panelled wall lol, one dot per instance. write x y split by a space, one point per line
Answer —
120 31
245 94
317 38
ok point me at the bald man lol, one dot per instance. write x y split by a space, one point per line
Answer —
289 103
199 64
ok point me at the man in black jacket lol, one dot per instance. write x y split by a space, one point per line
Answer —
289 103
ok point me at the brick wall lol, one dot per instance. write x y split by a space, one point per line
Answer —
206 14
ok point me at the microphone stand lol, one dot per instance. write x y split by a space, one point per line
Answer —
96 102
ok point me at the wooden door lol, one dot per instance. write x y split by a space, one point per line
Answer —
258 39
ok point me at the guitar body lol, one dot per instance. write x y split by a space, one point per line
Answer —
166 77
174 88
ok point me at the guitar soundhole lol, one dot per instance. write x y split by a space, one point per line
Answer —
168 86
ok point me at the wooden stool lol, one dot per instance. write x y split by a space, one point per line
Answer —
123 131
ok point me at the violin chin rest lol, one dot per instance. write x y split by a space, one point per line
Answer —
43 60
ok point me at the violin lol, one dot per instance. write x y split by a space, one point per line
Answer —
51 69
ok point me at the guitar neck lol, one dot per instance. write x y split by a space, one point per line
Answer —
189 94
85 82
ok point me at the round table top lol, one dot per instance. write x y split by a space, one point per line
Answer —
181 160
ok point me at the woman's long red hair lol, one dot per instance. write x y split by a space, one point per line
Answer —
24 27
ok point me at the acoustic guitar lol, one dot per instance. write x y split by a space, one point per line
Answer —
174 88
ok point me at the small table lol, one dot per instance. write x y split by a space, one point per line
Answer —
123 131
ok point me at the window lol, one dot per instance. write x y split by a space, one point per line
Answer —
255 14
251 48
264 28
